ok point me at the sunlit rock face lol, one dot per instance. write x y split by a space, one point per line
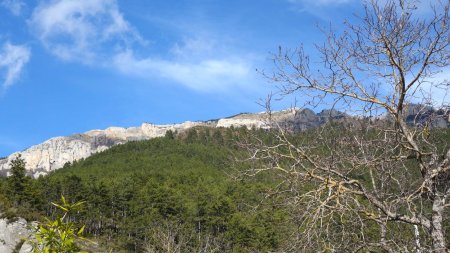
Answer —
242 122
294 119
54 153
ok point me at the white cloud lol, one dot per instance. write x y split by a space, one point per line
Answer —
202 62
95 31
82 30
12 60
203 75
15 6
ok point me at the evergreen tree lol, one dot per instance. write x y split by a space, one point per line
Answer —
170 135
192 136
17 180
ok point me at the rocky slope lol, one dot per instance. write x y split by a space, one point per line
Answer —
12 233
54 153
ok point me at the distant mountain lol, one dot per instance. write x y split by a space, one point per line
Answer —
55 152
421 115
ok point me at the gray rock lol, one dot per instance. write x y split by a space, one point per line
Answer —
26 247
13 233
56 152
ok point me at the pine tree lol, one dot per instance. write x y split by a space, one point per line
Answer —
17 179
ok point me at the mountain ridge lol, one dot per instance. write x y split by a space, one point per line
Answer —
55 152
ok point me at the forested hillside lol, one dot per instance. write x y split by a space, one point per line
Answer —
166 192
199 192
369 173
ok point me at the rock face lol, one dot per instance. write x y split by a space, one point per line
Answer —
421 115
54 153
12 233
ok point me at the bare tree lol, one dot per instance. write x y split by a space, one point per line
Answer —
173 238
374 182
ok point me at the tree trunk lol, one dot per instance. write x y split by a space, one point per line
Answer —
437 233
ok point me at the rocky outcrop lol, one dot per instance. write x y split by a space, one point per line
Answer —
244 120
13 233
54 153
422 115
296 119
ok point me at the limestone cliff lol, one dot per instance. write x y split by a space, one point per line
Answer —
54 153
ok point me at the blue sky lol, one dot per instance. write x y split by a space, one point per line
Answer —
69 66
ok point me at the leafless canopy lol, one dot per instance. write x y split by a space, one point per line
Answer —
375 183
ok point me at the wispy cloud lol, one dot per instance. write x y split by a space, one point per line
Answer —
199 62
196 47
95 31
80 30
15 6
12 61
203 75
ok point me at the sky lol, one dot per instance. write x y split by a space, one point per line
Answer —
69 66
